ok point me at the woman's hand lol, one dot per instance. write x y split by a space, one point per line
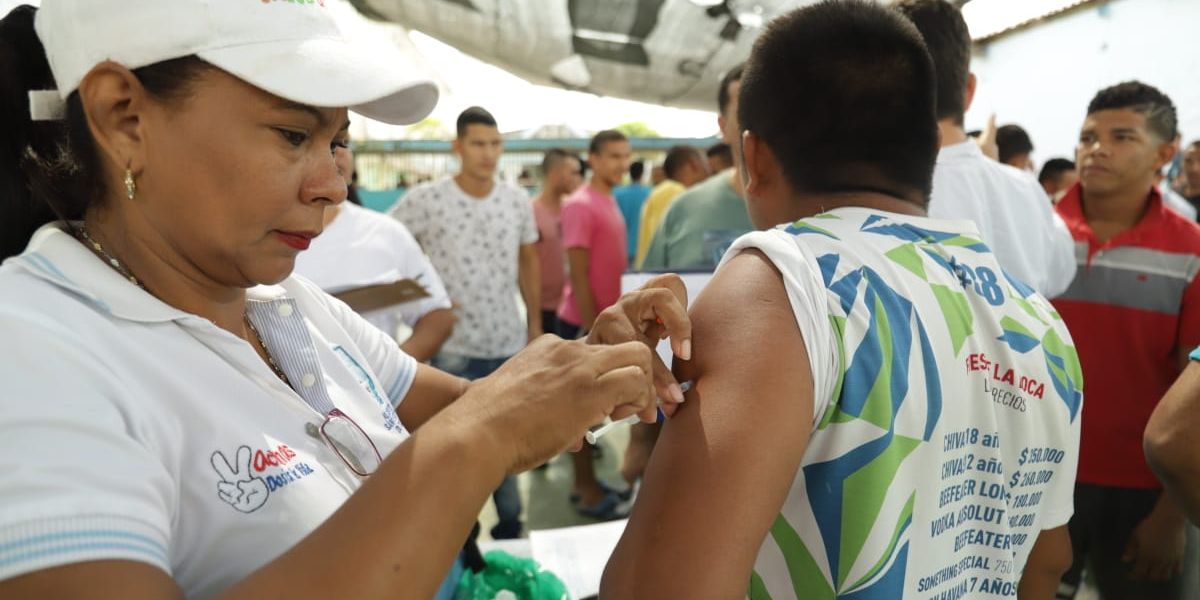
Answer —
656 311
544 399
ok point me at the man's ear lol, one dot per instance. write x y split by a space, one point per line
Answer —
760 170
115 104
969 93
1165 154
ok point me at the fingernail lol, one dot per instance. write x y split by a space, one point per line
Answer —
676 393
685 350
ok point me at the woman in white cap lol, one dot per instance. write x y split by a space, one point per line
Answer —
178 416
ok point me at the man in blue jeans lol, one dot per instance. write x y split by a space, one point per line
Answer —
480 235
506 497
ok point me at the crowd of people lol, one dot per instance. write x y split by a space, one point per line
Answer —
223 380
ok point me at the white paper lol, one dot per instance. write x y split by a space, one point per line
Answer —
519 548
577 555
694 282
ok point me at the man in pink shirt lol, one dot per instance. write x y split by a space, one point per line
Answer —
560 176
593 233
594 236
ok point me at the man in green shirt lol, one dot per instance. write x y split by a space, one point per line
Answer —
703 221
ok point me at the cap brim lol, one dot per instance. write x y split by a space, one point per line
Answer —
330 72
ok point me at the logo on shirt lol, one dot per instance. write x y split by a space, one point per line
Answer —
391 421
245 484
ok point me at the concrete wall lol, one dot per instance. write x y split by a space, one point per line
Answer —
1043 77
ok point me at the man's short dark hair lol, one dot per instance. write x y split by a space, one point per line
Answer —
1054 168
1195 144
720 149
1144 99
678 157
1012 141
949 43
553 158
842 93
604 137
637 168
474 116
732 75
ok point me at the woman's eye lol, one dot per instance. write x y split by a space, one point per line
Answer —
294 138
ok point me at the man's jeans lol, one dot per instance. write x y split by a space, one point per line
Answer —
506 497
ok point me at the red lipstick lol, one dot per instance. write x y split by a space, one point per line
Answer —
296 239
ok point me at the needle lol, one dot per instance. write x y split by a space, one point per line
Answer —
593 436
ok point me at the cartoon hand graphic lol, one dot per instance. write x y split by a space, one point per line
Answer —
239 487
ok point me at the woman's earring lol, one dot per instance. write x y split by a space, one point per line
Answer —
130 186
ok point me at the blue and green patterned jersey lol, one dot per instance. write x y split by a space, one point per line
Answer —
946 413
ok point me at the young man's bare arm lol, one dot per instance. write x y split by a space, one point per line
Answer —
1048 560
578 262
1170 441
429 333
529 279
724 464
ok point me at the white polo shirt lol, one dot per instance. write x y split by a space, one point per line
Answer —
1176 202
1017 222
361 247
132 430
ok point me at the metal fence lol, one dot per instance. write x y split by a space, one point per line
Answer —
387 168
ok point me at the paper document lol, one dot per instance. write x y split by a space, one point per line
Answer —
577 555
694 282
375 297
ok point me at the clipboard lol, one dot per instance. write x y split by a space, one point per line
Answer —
384 295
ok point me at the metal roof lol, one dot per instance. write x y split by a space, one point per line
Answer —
989 19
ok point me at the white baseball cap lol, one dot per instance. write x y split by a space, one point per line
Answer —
290 48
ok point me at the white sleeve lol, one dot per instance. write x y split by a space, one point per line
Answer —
394 369
1060 269
77 483
1058 503
416 265
806 293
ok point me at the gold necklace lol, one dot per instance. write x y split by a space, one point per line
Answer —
119 267
112 261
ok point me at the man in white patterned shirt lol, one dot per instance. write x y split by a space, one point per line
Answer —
480 235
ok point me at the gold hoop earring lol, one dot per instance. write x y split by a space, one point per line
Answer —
130 186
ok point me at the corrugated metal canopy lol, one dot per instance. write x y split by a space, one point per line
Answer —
990 18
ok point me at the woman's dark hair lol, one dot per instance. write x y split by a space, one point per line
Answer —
50 170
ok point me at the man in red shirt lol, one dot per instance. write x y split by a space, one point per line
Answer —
1133 310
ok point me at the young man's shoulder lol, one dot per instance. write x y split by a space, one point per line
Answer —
714 188
425 192
511 192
